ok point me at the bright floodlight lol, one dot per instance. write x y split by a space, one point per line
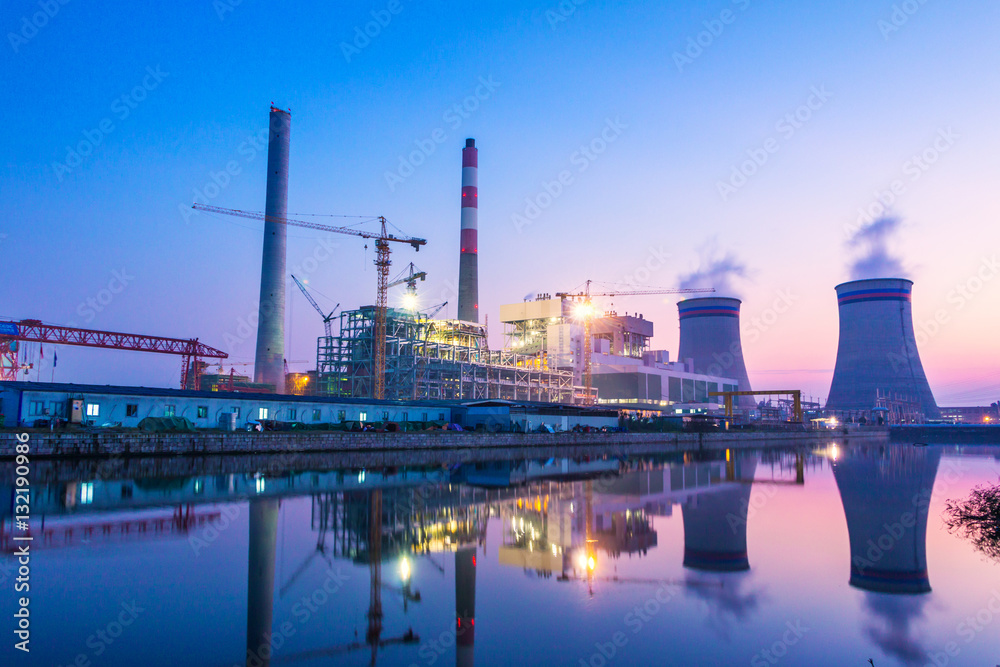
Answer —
584 310
404 569
410 301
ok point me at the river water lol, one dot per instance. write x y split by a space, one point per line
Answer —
810 555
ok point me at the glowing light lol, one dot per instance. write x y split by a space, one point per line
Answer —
260 485
581 561
584 310
555 550
453 526
410 301
591 563
404 569
833 422
834 452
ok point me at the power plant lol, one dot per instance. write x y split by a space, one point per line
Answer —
269 361
557 349
710 340
877 360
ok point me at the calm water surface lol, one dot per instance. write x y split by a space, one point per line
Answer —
828 555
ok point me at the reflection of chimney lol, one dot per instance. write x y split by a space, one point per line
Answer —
715 523
269 362
260 580
468 267
885 497
465 605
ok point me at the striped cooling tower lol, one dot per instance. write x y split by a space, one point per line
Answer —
878 349
710 336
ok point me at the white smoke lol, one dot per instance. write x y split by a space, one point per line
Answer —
718 269
871 246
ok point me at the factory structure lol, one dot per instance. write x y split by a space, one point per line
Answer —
551 353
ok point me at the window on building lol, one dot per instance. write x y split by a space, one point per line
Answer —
425 417
202 411
36 408
262 413
93 410
317 414
406 416
131 410
86 493
385 416
363 417
293 414
236 411
342 415
441 416
57 409
169 410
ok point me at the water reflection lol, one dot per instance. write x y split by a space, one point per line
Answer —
591 524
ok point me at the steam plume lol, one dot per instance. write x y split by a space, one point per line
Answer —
716 269
872 243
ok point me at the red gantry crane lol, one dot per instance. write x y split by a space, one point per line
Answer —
382 264
11 333
586 313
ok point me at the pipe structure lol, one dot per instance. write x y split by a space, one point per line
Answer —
269 361
468 266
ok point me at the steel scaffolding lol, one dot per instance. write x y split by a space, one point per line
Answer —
431 359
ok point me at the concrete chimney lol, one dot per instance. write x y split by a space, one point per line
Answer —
468 267
269 362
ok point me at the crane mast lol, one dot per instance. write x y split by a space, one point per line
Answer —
382 263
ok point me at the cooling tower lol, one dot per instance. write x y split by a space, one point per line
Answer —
878 350
269 362
710 336
715 523
886 496
468 265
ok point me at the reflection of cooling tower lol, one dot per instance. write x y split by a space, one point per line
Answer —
715 524
468 266
885 498
260 580
878 350
465 604
269 362
710 336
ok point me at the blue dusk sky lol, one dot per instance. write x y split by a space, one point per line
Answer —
762 134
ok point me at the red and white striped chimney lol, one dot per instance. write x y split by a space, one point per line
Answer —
468 266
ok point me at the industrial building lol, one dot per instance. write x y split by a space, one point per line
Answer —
626 374
878 365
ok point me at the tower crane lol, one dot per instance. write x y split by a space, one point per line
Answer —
327 319
382 263
586 312
410 279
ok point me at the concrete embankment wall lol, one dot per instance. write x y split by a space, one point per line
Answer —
109 444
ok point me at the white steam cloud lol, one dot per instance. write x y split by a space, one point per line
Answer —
871 244
716 269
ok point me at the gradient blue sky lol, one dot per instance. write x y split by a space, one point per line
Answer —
653 191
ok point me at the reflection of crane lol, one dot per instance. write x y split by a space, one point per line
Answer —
374 633
382 263
585 311
326 318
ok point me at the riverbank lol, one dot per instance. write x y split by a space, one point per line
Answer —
947 434
45 445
